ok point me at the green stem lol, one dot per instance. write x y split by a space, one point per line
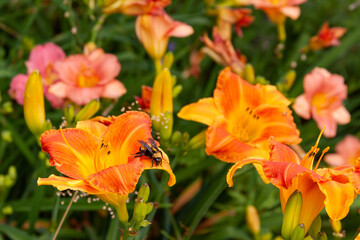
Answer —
95 30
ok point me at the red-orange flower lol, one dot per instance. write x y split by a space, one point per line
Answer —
134 7
326 37
329 188
222 51
144 100
240 17
241 117
98 156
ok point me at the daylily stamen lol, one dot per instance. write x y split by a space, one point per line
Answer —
322 154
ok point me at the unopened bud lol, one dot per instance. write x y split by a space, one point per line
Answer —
7 107
176 138
7 210
261 80
177 90
298 233
291 214
88 111
198 141
144 192
168 60
6 136
249 73
69 113
252 220
34 110
315 227
289 79
321 236
141 210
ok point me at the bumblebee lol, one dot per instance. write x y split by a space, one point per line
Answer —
150 150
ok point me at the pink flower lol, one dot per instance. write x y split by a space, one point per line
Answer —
87 76
42 58
347 152
322 99
278 10
154 32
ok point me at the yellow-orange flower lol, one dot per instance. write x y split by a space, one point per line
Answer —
327 37
222 51
241 117
329 188
155 30
98 156
134 7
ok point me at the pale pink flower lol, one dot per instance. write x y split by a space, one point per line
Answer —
323 100
347 152
155 30
277 10
42 58
83 77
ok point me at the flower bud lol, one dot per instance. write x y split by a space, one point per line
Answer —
6 136
34 110
298 233
176 138
252 220
7 210
144 192
69 113
249 73
315 227
161 104
198 141
321 236
168 60
88 110
141 210
261 80
177 90
289 79
291 214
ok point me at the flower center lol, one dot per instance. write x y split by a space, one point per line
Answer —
247 128
50 75
321 101
87 77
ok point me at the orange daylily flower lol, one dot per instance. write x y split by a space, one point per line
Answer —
222 51
319 187
155 30
327 37
98 157
134 7
241 17
241 117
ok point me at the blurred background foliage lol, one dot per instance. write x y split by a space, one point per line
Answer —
35 211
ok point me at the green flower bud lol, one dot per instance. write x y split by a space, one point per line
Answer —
315 227
144 192
291 214
298 233
88 111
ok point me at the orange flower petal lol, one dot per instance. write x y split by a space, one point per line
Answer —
121 139
120 179
75 157
96 128
282 153
226 147
203 111
165 165
274 121
355 180
339 197
238 165
63 183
